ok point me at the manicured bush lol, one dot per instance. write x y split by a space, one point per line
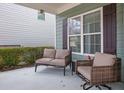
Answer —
13 56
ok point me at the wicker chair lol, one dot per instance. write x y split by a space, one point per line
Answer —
105 68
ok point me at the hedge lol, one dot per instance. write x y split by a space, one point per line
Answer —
14 56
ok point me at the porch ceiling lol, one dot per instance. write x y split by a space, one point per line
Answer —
55 8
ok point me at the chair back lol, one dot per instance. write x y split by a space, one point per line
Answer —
61 53
103 59
49 53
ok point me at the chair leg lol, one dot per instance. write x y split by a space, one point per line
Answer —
98 87
70 66
64 71
84 86
106 86
35 67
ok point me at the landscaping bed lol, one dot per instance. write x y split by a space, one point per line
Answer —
7 68
14 58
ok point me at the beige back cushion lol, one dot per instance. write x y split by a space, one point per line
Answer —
102 59
49 53
61 53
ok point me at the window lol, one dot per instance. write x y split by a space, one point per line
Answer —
92 33
75 34
85 33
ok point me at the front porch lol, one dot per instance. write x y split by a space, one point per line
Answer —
51 78
46 78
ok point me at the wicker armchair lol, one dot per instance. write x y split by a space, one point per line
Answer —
105 68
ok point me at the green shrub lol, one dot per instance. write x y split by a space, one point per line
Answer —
1 62
13 56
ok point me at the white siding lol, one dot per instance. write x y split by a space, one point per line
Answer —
19 25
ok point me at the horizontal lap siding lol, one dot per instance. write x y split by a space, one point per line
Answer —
19 25
120 34
59 32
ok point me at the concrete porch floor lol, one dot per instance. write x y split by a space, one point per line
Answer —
46 78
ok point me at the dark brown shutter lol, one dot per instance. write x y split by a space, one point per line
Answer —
65 34
109 28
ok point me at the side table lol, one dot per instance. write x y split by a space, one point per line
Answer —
83 62
73 66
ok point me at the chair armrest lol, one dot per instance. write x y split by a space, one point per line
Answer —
117 67
102 74
67 60
83 63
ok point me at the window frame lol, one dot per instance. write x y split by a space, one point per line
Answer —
82 34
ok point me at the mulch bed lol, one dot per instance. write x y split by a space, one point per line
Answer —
8 68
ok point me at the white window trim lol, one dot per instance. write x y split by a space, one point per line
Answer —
95 33
75 35
82 34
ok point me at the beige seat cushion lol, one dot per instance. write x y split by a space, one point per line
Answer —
44 60
102 59
61 53
85 71
49 53
58 62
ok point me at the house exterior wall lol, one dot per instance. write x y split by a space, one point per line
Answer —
19 25
120 35
59 31
87 7
72 12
